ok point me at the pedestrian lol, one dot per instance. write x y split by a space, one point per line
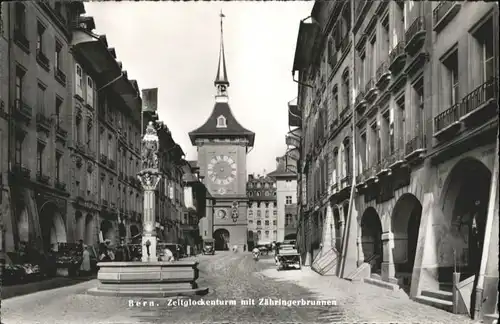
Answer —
85 266
235 248
103 253
169 256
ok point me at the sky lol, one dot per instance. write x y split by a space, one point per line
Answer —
174 46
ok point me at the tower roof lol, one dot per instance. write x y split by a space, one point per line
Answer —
221 77
222 123
233 127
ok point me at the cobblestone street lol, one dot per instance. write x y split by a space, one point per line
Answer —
231 277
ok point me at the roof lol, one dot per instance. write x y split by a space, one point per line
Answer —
282 171
305 40
209 128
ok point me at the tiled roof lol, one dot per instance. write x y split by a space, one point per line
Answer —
209 128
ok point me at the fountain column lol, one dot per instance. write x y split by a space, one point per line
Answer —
149 177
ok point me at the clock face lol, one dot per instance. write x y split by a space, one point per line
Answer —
222 170
221 213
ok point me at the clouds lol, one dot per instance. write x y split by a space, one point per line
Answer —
174 46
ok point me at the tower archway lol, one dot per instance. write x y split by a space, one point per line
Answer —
371 232
221 237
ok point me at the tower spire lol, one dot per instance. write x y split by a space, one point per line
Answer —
221 82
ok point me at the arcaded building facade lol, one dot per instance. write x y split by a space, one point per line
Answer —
106 140
39 72
424 214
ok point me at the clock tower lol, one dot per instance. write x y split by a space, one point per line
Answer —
223 145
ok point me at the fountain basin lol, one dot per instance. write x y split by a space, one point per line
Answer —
148 279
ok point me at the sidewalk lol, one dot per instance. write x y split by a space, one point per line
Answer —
31 287
365 302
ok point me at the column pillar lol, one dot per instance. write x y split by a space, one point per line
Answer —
359 244
388 268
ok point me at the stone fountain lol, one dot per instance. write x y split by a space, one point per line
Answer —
149 277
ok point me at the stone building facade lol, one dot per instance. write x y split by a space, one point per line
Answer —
106 141
424 211
38 80
286 198
262 212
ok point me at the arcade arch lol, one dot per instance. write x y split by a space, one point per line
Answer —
371 238
221 237
52 226
464 202
405 225
107 231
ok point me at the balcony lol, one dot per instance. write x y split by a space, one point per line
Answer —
416 62
383 75
60 76
43 123
382 167
61 133
416 148
371 89
344 114
42 60
21 40
444 13
112 164
360 102
23 110
415 35
60 185
481 104
21 171
103 158
42 178
397 58
447 123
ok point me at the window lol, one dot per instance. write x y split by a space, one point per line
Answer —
401 120
103 188
275 203
418 106
275 213
388 133
267 234
39 37
258 193
59 103
275 222
258 234
259 213
374 57
386 47
335 165
20 21
259 223
58 58
288 200
250 221
266 223
110 146
482 48
335 103
90 92
345 89
20 73
362 71
266 193
221 122
79 80
58 166
250 212
362 152
288 219
89 134
347 158
40 98
19 150
267 213
451 79
78 125
275 235
39 158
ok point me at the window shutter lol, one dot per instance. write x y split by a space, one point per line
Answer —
78 80
90 92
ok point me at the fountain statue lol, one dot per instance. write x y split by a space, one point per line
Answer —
148 277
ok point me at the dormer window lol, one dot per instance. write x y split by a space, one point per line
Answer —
221 122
